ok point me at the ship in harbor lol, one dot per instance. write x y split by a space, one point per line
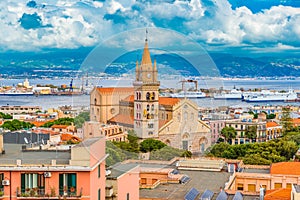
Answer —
233 94
265 96
16 93
188 94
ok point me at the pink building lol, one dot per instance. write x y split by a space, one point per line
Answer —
122 182
216 127
75 173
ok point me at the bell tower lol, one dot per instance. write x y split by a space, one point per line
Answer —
146 96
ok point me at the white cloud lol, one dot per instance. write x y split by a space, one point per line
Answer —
76 23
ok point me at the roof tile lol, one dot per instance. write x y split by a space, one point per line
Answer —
288 168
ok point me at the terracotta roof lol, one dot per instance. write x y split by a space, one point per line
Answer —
168 101
162 122
271 124
38 124
296 122
66 137
59 126
44 131
129 98
278 194
288 168
115 89
124 119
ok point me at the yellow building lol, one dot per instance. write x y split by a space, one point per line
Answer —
173 121
281 175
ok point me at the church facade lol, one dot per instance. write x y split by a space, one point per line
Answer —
140 108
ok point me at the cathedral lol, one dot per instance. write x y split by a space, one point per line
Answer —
140 108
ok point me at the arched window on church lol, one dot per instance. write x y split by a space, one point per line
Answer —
153 96
140 96
137 95
95 101
148 107
148 96
152 107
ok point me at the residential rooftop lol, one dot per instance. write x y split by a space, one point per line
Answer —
201 180
13 152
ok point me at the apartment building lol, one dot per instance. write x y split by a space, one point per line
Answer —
76 173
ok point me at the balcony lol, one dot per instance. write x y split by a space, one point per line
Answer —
35 194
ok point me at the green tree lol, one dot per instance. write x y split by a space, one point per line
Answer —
5 116
286 120
250 132
150 144
271 116
81 118
228 133
60 121
132 145
15 125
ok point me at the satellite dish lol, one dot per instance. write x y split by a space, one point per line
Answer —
43 141
25 139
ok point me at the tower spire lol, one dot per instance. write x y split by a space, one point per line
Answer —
146 59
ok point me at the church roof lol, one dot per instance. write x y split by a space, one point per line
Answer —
146 59
115 89
122 119
129 98
166 101
129 120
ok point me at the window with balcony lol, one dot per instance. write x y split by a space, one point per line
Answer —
67 184
33 183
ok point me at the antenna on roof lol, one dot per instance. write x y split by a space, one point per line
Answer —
25 140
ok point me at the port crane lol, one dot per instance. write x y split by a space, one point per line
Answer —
189 81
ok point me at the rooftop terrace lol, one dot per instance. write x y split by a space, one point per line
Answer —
13 152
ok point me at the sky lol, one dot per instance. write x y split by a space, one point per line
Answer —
234 26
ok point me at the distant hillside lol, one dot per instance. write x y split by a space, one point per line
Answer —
230 65
66 63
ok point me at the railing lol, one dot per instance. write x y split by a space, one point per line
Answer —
39 193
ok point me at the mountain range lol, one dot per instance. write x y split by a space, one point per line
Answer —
68 62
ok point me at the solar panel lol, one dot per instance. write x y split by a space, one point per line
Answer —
184 179
238 196
192 194
222 196
207 195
